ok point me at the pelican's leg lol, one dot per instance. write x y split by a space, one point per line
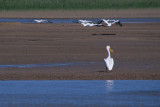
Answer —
106 69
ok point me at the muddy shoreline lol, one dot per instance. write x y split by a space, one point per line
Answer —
136 47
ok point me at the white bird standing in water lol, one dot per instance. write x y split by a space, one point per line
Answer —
110 22
91 24
41 21
109 62
88 23
84 21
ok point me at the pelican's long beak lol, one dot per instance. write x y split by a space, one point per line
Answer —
111 50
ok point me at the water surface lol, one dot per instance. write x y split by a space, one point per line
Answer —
93 93
47 65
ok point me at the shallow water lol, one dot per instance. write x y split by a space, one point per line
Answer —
123 20
47 65
100 93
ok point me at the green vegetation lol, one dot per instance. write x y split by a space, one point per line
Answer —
76 4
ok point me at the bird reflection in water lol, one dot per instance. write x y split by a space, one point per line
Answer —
109 85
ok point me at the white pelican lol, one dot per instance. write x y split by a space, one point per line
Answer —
109 62
41 21
91 24
110 22
84 21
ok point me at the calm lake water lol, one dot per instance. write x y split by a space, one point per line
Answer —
71 93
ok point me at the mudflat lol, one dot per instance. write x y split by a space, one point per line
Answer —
136 51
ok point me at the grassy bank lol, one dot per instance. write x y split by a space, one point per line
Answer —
76 4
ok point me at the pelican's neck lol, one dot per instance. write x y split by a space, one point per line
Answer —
109 54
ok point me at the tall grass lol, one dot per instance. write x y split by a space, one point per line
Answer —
76 4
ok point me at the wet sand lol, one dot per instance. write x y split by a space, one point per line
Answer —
136 51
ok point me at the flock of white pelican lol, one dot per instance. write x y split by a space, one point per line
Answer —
100 22
109 62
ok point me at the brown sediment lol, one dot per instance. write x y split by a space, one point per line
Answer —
120 13
136 51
